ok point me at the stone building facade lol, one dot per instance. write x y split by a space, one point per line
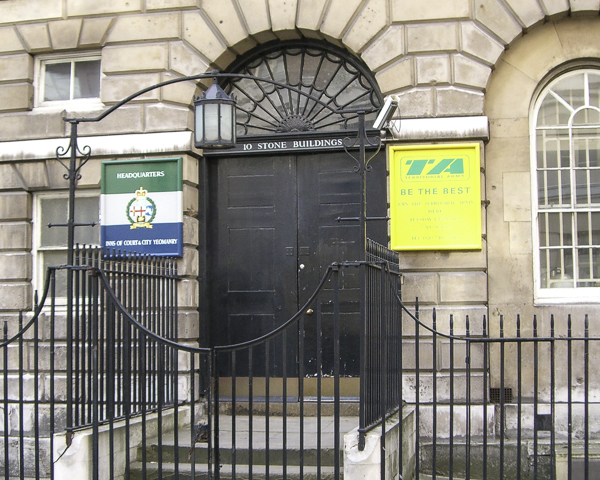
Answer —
461 71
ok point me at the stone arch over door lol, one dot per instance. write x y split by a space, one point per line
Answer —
510 93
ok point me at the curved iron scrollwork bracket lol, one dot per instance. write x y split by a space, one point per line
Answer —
72 151
349 143
362 141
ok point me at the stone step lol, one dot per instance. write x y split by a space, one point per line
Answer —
242 472
293 456
307 453
241 432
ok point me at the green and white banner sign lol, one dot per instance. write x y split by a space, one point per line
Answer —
141 206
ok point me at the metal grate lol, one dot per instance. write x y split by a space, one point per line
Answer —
338 79
496 395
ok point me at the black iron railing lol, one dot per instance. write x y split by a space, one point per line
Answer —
136 391
381 378
63 373
379 253
147 288
522 405
490 400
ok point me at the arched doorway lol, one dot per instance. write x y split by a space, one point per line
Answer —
275 201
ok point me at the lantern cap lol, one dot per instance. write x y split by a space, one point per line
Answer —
215 92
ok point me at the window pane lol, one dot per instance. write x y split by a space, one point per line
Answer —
555 230
552 154
552 112
593 146
583 264
543 229
580 151
542 188
541 152
561 269
565 154
595 266
544 268
595 228
87 211
553 227
53 259
565 180
594 87
595 185
87 79
57 81
567 266
54 210
583 229
581 184
587 116
551 186
571 90
589 267
567 229
294 67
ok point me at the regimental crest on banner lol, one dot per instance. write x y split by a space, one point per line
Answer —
141 210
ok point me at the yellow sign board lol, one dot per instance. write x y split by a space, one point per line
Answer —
435 197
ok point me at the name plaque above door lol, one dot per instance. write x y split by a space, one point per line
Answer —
286 143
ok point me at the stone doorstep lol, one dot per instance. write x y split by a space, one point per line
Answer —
311 408
241 472
275 437
440 477
309 455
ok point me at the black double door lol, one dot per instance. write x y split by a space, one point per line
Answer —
274 231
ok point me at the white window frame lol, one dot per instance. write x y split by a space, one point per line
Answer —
40 70
39 273
558 295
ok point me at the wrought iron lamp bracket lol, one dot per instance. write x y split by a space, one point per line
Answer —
362 141
73 152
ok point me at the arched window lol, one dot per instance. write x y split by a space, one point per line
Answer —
322 71
567 194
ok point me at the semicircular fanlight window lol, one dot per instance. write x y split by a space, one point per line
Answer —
326 74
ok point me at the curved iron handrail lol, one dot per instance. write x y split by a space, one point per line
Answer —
113 297
37 311
485 339
165 341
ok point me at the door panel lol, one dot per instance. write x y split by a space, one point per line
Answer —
253 269
329 188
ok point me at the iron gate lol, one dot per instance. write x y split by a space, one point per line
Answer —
108 391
